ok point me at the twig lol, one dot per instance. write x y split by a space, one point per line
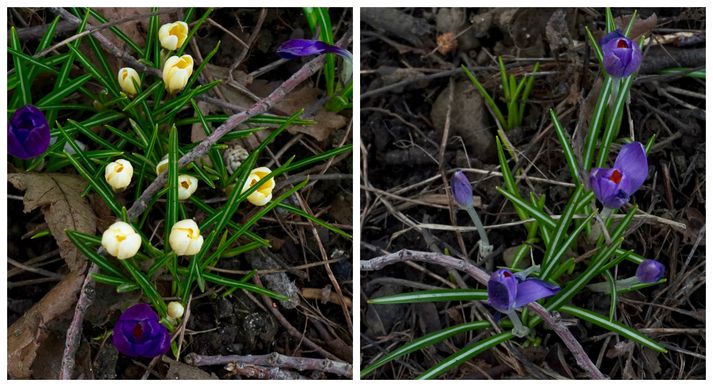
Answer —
258 372
274 360
74 332
482 277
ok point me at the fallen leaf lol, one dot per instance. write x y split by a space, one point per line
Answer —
26 335
182 371
325 121
59 196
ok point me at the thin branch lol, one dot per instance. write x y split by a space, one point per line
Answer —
481 276
274 360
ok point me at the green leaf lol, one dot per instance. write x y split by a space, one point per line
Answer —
146 286
172 200
437 295
596 122
57 95
595 46
424 342
560 234
464 355
193 31
99 186
25 86
566 148
300 212
83 242
488 99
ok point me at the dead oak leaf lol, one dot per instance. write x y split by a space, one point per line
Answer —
325 121
59 197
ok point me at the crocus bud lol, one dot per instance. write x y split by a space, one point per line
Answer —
175 310
118 174
121 240
462 190
176 72
650 271
295 48
127 77
138 333
185 238
614 186
172 35
28 133
621 55
162 165
187 185
262 195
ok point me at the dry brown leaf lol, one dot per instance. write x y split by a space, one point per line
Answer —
27 333
325 121
59 196
182 371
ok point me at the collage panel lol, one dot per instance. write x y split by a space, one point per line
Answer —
179 195
532 193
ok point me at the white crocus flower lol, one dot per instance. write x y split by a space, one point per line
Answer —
162 165
176 72
121 240
118 174
172 35
187 185
127 77
185 238
262 195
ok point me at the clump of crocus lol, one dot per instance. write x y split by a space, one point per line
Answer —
263 194
622 56
118 174
128 80
187 185
172 35
28 133
614 186
121 240
175 310
185 238
650 270
176 72
507 292
138 333
463 195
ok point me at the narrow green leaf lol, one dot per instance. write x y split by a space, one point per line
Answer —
25 86
172 201
300 212
146 286
464 355
437 295
567 149
488 99
80 241
560 234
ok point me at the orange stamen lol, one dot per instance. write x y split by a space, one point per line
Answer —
621 44
615 177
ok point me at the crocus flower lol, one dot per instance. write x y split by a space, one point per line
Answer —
185 238
127 77
462 190
622 56
118 174
175 310
138 333
614 186
121 240
650 271
295 48
28 133
176 72
506 292
172 35
162 165
187 185
262 195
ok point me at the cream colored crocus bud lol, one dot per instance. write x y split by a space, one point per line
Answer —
185 238
176 72
127 77
175 310
172 35
187 185
118 174
262 195
121 240
162 165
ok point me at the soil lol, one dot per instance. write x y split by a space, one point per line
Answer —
407 102
220 323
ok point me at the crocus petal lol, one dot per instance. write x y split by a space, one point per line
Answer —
461 189
139 333
532 290
611 36
621 55
28 133
633 165
605 189
650 271
294 48
139 312
502 289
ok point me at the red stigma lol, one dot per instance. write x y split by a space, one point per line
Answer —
137 332
615 177
506 274
621 44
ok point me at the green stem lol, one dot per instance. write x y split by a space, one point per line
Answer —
603 287
485 247
518 329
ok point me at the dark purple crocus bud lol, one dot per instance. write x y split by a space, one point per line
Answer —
461 189
622 56
506 292
28 133
614 186
295 48
650 271
138 333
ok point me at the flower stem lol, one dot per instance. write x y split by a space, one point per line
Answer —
605 288
518 329
485 248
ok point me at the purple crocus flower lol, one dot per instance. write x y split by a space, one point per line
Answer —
295 48
506 291
461 189
614 186
622 56
138 333
650 270
28 133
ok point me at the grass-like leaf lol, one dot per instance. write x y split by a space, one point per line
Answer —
437 295
465 354
566 148
488 99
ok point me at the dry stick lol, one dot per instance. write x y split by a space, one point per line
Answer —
87 295
482 277
275 360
